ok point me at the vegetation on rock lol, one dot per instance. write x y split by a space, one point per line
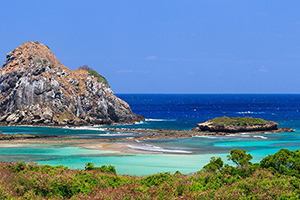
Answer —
275 177
239 121
92 72
237 125
100 77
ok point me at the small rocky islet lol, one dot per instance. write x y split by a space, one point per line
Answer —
228 125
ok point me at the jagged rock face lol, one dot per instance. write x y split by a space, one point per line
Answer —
36 88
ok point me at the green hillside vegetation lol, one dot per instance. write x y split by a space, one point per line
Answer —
239 121
275 177
100 77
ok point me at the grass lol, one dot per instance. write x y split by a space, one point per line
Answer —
239 121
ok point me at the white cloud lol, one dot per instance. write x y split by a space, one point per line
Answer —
263 69
151 58
124 71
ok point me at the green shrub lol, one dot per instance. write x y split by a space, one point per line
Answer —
214 165
284 162
100 78
239 157
156 179
103 168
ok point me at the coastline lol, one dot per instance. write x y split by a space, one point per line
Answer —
123 145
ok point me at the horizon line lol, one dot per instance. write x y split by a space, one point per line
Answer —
215 93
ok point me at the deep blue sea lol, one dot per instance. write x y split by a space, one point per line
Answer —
170 111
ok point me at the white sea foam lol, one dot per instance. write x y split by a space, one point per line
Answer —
115 134
92 128
259 136
141 122
152 148
206 136
232 135
245 134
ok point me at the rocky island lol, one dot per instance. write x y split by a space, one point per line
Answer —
223 125
36 89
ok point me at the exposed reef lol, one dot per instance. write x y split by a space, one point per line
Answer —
36 89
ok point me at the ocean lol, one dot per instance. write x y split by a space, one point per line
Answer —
169 111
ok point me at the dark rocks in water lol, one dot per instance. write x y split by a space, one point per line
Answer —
26 136
1 133
35 88
237 125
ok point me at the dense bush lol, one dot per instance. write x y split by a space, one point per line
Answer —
103 168
275 177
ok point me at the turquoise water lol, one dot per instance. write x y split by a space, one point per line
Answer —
173 112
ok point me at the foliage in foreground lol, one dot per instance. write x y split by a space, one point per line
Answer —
275 177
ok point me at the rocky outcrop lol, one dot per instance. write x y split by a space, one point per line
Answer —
206 126
35 88
238 125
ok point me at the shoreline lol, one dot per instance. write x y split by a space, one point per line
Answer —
116 144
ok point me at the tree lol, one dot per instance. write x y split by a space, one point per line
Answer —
239 157
86 67
284 161
214 165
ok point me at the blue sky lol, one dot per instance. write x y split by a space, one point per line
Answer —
167 46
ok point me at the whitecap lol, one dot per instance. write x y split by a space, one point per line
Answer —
250 112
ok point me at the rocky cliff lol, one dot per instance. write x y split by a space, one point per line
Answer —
35 88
